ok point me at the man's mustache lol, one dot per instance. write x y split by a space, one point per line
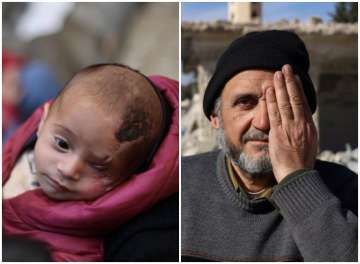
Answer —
254 134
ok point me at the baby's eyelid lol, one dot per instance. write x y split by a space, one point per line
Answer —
99 167
59 137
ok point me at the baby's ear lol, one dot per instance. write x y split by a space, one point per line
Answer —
43 118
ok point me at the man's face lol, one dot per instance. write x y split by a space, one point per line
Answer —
243 121
77 155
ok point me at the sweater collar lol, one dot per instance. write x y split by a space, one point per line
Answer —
240 198
236 182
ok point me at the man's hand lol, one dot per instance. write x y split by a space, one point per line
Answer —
293 137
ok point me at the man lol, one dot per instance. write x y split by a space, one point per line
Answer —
264 197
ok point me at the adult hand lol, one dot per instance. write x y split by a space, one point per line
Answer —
293 137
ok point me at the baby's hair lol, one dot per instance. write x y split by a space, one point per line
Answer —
117 87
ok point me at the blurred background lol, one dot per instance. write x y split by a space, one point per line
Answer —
329 31
44 44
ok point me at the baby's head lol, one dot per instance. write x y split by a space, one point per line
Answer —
97 132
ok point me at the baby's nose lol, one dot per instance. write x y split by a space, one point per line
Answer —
70 168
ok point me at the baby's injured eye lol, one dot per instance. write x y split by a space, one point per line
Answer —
61 143
99 167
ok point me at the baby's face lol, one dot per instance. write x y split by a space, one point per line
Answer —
77 155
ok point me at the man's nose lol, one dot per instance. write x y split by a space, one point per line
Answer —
70 168
261 117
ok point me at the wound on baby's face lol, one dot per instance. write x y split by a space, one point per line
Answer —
88 145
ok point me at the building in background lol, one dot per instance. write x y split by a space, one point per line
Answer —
244 12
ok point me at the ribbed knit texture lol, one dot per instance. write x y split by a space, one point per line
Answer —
301 196
315 219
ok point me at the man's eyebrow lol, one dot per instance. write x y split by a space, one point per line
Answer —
238 97
245 95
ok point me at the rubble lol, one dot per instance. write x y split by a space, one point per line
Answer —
348 158
313 25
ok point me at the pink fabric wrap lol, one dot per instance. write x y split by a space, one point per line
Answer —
74 229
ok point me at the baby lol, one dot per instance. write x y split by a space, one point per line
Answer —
105 126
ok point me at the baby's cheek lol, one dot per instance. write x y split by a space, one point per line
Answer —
93 188
98 185
45 158
106 181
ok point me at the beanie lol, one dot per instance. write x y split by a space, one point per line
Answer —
268 50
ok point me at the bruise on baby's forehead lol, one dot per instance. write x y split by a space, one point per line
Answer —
126 95
120 89
136 123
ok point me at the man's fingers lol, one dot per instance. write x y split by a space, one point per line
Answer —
272 108
307 110
296 93
282 97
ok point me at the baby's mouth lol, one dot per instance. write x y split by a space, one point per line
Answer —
55 183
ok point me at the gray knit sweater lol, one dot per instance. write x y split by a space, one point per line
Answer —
311 217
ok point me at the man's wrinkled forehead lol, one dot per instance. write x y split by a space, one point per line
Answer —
253 81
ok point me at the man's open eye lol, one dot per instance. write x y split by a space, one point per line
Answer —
61 143
245 102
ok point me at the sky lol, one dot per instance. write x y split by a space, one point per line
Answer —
270 11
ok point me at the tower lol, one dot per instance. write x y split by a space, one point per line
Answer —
244 12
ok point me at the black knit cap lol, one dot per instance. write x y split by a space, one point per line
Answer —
268 50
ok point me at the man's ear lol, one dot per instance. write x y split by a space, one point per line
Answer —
43 118
214 120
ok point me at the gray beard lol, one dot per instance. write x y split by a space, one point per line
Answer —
255 167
